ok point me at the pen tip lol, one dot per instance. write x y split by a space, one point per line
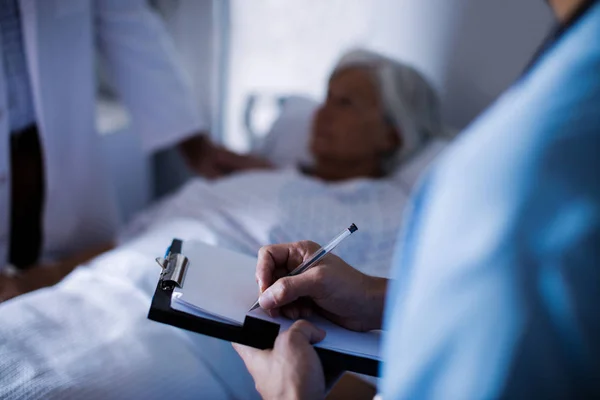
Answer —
353 228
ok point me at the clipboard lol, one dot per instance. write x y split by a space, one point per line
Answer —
254 332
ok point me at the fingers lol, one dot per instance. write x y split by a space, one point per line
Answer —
269 259
295 312
289 289
304 330
280 256
303 308
254 359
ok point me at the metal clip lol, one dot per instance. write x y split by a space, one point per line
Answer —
174 269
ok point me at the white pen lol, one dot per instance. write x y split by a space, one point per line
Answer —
317 255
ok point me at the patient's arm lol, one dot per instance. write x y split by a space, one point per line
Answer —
199 154
232 162
41 276
212 161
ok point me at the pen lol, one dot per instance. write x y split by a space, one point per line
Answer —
317 255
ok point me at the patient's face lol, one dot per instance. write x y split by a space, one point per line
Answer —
350 125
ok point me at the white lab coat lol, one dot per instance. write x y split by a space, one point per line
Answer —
60 39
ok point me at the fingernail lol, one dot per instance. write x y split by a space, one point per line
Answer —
260 286
266 299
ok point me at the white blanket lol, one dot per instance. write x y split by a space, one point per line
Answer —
88 337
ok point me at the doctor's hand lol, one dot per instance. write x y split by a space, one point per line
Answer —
292 369
8 288
40 276
333 288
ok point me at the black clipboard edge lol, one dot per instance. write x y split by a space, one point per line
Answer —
256 333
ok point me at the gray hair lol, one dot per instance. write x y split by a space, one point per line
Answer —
410 102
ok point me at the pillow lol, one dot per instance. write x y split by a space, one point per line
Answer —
286 143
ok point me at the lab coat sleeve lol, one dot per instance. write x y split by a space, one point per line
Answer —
142 60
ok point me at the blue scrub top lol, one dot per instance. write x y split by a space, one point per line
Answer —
497 278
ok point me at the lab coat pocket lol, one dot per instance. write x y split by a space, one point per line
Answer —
63 8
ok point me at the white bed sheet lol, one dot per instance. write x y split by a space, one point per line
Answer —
88 337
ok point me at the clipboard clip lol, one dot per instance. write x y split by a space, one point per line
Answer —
174 267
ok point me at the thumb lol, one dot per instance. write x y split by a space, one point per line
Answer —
306 331
254 359
287 290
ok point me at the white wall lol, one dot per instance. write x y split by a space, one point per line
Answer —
470 49
286 47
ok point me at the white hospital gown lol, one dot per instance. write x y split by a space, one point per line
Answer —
250 210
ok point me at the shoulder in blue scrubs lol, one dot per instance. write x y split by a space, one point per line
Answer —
497 290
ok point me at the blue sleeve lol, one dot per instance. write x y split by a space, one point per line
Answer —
498 276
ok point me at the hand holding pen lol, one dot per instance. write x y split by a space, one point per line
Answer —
315 257
335 289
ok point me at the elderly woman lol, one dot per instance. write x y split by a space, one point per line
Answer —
378 113
88 336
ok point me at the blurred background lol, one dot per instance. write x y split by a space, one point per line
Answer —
245 58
